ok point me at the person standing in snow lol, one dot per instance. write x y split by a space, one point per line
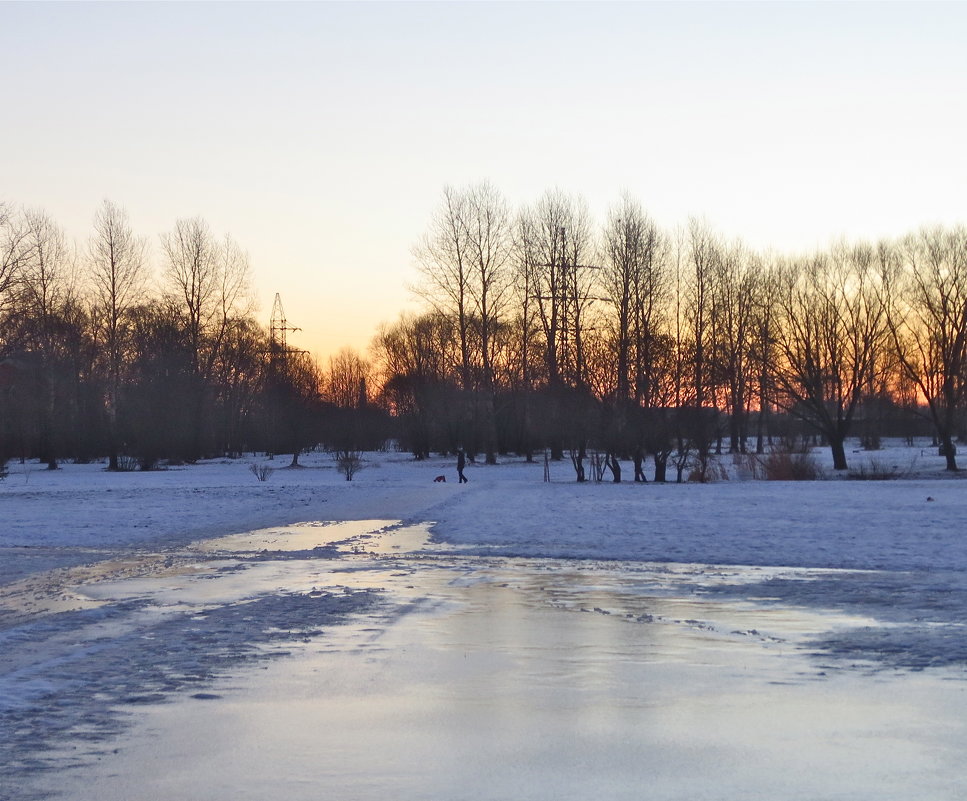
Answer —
461 463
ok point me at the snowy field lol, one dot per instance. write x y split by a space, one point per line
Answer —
508 638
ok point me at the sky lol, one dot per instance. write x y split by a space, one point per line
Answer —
321 135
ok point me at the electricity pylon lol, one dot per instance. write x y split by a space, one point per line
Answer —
278 326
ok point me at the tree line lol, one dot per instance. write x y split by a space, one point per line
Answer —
102 358
545 330
542 331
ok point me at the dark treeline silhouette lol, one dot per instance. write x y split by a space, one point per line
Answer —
543 332
621 341
98 361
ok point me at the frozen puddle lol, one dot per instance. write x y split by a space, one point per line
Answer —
413 672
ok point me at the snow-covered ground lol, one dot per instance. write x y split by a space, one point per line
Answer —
120 592
832 523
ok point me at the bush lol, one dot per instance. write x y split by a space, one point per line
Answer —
782 465
349 462
708 471
127 464
260 471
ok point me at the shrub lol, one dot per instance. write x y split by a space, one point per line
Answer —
260 471
127 464
782 465
707 471
348 462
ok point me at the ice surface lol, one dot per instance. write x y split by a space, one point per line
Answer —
192 634
510 678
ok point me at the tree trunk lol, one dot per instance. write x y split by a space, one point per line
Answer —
837 445
737 432
490 429
614 466
45 450
638 457
949 451
577 459
113 434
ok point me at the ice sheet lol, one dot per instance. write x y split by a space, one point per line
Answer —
492 678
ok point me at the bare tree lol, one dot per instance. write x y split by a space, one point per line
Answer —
234 301
348 462
44 316
525 327
418 361
345 381
16 247
487 223
554 245
116 259
624 236
417 345
831 331
445 261
192 279
762 350
523 274
557 251
156 417
703 255
294 399
696 254
208 282
928 323
633 282
735 290
464 259
48 278
238 378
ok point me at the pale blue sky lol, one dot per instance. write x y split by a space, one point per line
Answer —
320 135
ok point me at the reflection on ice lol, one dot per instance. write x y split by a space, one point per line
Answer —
300 537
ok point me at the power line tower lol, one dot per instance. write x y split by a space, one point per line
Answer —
568 300
279 386
278 326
